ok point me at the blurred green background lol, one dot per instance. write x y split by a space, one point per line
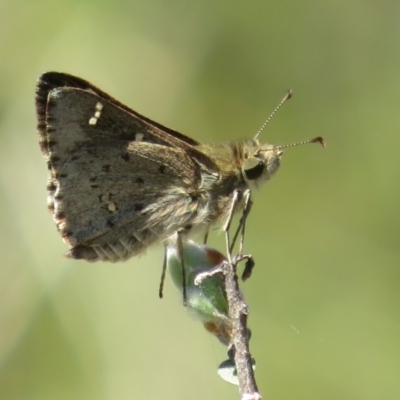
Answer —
324 297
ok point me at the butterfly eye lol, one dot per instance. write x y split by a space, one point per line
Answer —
253 168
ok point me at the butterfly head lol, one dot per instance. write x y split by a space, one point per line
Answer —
262 161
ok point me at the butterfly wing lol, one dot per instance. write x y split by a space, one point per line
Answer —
118 181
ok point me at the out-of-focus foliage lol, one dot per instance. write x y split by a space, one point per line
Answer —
325 232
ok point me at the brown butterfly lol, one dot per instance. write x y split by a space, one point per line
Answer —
119 182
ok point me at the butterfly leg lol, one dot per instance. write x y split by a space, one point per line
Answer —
241 227
179 246
241 230
205 238
179 243
249 265
242 223
164 271
235 200
248 268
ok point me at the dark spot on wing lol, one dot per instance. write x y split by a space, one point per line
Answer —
66 233
51 143
54 159
80 252
138 207
51 186
125 156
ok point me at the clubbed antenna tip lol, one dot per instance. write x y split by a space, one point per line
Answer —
319 140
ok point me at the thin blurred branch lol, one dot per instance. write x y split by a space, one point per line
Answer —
238 313
240 336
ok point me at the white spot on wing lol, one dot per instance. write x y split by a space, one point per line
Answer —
111 207
93 120
139 137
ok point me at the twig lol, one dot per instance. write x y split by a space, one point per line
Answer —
238 313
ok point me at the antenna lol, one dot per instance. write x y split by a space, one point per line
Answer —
288 95
318 139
